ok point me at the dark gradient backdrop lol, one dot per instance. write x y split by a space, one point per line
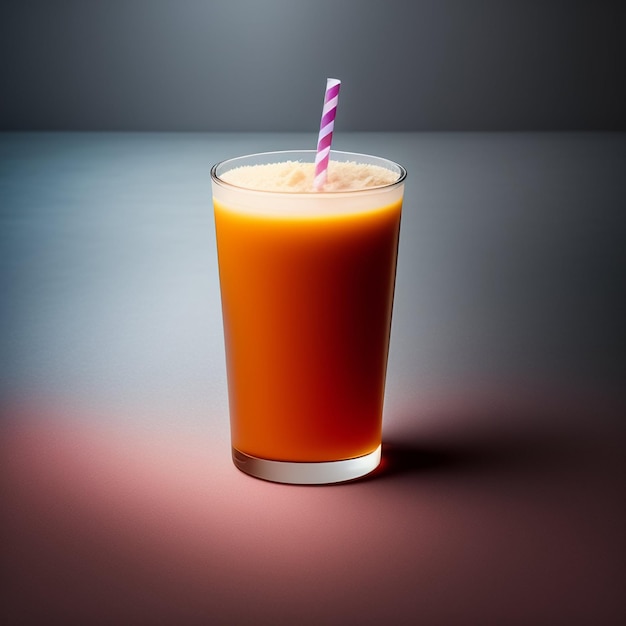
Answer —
500 499
260 64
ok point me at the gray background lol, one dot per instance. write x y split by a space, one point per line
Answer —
243 65
500 496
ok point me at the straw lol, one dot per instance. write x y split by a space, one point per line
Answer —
326 132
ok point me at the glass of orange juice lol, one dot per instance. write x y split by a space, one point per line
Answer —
307 282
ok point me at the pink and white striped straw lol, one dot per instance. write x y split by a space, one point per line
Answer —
325 138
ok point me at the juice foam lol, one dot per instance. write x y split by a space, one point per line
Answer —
297 177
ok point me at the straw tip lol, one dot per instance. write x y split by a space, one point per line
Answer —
331 82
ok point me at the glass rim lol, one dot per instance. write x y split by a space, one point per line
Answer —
402 173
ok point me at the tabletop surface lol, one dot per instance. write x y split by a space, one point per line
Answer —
500 496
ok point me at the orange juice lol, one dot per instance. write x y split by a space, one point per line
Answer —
307 283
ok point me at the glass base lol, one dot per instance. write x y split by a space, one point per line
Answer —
322 473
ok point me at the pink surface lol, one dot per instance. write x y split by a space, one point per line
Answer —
509 521
500 500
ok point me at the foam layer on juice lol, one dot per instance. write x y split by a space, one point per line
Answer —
297 177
